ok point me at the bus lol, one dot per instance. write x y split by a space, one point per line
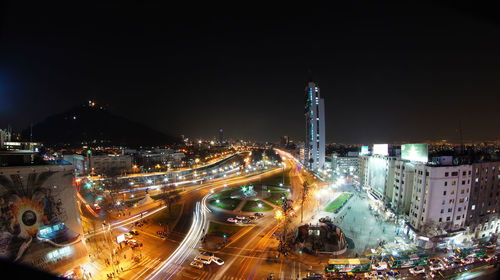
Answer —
348 265
470 252
410 260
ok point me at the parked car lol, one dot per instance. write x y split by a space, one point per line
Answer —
217 260
231 220
240 217
417 270
134 232
259 214
196 264
128 235
436 267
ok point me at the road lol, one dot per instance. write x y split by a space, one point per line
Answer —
254 254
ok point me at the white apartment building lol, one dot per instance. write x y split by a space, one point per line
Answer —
440 198
314 148
403 186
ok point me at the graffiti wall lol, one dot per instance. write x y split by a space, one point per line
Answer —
39 219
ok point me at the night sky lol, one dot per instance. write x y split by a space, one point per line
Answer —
387 72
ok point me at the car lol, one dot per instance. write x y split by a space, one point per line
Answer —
436 267
380 266
231 220
196 264
252 217
376 274
490 259
217 260
468 260
132 243
204 259
134 232
240 217
491 246
207 253
417 270
394 273
128 235
259 215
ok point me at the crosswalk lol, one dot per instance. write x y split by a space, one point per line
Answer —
145 264
205 275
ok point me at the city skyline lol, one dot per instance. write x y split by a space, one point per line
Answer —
386 76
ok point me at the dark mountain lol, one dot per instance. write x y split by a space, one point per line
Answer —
95 125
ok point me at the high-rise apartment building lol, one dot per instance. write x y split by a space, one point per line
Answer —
403 186
440 198
314 148
484 202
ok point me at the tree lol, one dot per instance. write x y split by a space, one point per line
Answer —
305 192
169 196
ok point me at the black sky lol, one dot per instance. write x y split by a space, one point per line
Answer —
387 72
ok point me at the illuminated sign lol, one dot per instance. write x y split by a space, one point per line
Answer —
381 149
415 152
364 150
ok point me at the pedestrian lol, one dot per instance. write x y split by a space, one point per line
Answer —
121 268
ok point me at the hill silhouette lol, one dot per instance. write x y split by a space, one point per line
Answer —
94 125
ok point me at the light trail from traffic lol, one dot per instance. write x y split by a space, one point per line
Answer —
170 266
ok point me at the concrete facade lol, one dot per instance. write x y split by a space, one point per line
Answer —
440 198
484 203
403 186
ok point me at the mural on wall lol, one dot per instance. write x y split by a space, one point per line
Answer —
33 214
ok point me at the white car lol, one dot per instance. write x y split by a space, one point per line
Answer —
436 267
380 266
240 218
196 264
217 260
417 270
231 220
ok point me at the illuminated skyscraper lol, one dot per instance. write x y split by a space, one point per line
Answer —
314 148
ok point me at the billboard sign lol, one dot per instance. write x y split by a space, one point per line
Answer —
381 149
364 150
415 152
